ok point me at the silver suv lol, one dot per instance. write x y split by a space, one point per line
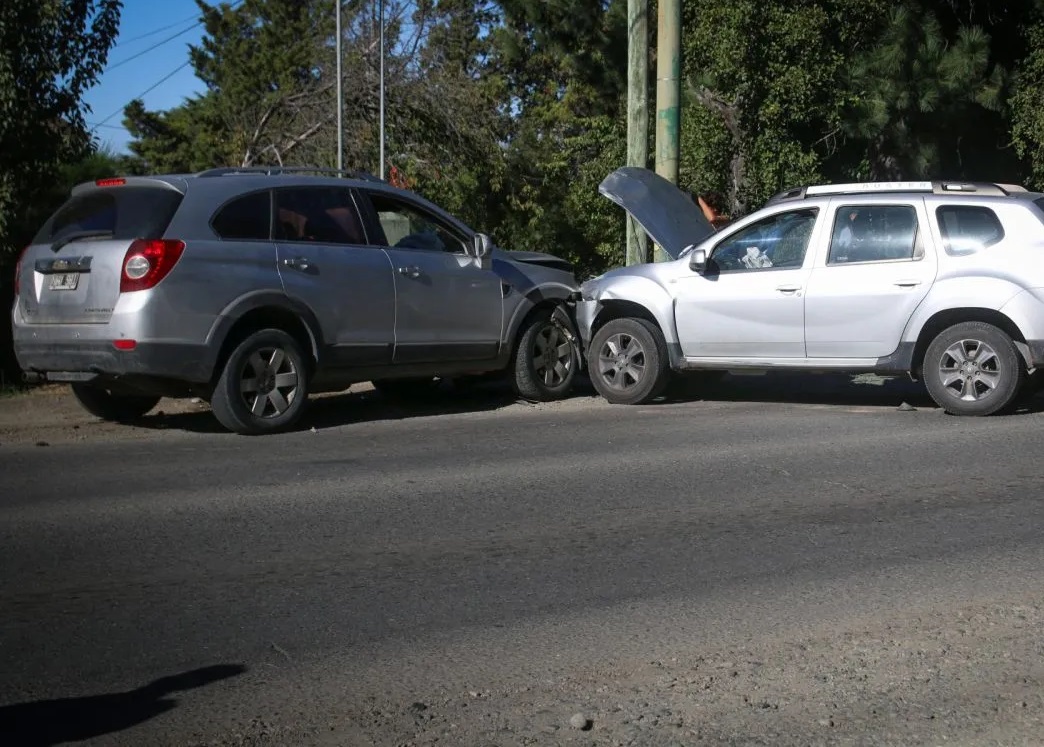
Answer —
943 281
255 288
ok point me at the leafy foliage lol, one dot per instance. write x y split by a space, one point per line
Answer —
51 52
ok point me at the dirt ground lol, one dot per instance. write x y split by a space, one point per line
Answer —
49 414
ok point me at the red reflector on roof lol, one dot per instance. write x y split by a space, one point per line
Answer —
112 182
125 344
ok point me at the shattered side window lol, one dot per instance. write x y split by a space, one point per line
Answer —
779 241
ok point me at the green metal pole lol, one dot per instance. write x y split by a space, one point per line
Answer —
637 113
668 94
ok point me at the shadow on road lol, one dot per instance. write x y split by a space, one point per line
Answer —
51 722
332 410
843 390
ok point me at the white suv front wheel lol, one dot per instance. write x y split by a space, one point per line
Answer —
973 368
628 361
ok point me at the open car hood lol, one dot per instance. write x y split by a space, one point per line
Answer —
670 217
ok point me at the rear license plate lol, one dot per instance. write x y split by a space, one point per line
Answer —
64 281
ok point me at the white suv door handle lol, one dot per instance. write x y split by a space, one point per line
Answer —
411 272
788 288
907 283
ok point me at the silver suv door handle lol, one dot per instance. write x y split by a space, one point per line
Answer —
411 272
788 288
907 283
300 263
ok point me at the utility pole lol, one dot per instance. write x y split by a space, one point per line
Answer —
668 94
381 13
637 113
340 92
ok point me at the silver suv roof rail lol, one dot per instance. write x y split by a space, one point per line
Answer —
277 170
939 187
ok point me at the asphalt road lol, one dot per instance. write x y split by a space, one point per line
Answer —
196 587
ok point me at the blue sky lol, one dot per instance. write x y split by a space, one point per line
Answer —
121 83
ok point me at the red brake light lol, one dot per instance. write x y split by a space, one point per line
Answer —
124 344
111 182
149 261
18 271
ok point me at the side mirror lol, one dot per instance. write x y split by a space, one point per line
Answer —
481 246
698 261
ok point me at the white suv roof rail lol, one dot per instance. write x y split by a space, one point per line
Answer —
938 187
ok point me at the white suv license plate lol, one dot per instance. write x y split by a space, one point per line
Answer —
63 281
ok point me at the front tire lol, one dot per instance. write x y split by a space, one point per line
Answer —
116 408
545 360
628 362
263 386
973 368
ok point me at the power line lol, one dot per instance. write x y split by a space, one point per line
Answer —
143 52
160 30
160 43
194 17
151 88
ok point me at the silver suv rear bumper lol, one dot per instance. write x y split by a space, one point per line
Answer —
80 361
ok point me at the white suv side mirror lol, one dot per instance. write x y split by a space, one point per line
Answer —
698 261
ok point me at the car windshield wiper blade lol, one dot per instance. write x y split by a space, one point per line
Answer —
77 235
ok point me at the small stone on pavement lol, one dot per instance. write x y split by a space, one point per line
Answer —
580 721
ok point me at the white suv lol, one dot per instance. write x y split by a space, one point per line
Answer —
943 281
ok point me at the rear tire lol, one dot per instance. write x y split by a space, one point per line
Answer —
628 362
117 408
974 368
263 386
545 360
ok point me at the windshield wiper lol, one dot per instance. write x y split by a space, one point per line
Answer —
77 235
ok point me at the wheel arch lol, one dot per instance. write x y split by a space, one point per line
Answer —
537 300
264 311
948 317
612 309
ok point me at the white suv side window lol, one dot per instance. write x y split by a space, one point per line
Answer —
779 241
967 229
875 233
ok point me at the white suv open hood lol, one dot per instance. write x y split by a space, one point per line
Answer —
670 217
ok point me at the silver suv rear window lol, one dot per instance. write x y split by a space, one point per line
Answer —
125 212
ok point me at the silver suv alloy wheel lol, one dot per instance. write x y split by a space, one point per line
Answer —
268 382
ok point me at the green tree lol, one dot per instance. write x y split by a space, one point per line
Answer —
563 67
51 52
765 81
925 101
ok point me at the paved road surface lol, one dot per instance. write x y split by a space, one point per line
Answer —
359 582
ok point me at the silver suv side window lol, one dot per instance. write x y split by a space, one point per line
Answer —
967 229
779 241
408 227
875 233
322 215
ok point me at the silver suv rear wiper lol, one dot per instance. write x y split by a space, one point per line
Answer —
77 235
